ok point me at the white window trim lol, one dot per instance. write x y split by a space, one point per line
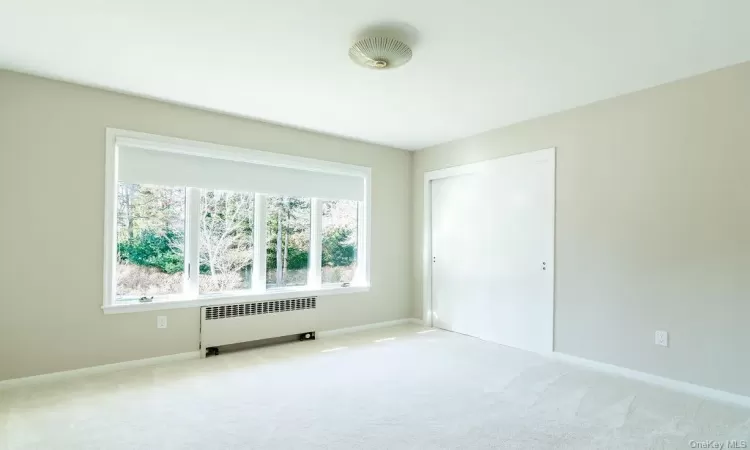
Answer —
190 298
192 241
314 269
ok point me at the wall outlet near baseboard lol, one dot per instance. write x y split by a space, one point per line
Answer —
661 338
161 321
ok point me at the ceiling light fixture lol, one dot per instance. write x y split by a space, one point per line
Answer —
380 53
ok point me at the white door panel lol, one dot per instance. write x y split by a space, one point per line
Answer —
493 244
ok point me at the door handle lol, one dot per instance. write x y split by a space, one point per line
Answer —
544 265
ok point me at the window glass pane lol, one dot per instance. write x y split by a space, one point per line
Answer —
288 241
339 241
226 241
150 240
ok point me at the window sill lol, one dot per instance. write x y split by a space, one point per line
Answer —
229 298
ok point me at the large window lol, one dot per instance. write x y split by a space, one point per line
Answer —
195 222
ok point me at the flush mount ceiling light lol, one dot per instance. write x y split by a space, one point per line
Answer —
380 53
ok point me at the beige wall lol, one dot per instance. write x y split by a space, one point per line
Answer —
51 230
652 228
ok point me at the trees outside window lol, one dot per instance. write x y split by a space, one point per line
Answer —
150 240
288 241
151 233
339 241
226 241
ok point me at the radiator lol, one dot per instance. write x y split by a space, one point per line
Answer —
244 322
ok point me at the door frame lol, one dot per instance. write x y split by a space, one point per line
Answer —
429 177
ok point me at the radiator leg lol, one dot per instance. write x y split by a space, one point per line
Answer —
309 336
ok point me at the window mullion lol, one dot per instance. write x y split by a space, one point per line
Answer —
315 257
360 275
259 244
192 241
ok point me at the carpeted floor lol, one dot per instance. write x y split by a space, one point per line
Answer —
394 388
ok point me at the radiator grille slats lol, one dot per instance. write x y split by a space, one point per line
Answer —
257 308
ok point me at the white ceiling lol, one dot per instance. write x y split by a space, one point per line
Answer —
478 64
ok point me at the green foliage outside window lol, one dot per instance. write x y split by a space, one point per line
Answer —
337 251
296 258
154 249
157 249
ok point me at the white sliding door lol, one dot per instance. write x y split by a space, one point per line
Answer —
493 251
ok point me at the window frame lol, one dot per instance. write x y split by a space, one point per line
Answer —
191 296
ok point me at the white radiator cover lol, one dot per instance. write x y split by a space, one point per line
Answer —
251 321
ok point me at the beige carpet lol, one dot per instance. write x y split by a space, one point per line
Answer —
396 388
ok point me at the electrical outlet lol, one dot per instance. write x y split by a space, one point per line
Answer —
661 338
161 321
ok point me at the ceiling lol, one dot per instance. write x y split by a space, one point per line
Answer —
477 65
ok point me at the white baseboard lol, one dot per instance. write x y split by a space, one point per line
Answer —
676 385
68 374
369 326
